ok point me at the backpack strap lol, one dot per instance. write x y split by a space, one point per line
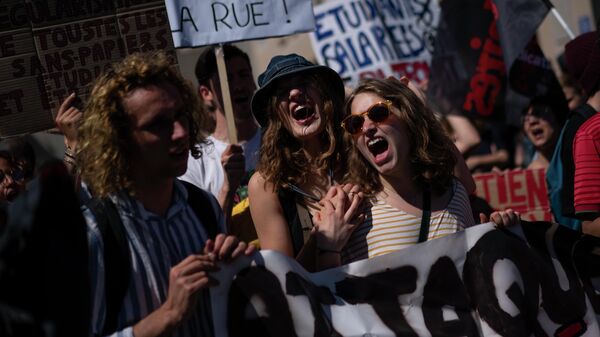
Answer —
586 111
117 261
198 199
287 199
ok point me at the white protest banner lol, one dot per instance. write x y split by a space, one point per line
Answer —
376 38
198 23
479 282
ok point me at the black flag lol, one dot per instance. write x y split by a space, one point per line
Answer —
477 43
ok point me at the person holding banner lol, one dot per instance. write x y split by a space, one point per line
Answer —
141 122
583 59
302 159
542 121
402 158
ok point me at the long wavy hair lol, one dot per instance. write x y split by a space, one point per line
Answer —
282 160
105 139
431 153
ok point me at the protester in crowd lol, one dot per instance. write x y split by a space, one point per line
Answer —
44 279
17 165
23 155
12 183
583 60
141 121
461 170
464 134
402 158
542 120
224 168
572 91
12 178
299 106
493 150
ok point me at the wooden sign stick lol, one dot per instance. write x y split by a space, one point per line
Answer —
225 94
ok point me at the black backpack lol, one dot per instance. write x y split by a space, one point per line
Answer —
117 262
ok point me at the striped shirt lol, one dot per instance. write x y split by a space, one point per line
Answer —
387 229
155 244
586 154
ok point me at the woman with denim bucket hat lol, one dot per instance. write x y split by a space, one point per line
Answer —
299 106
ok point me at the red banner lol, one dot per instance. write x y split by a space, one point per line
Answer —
524 191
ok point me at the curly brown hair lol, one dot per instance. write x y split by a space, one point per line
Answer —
104 135
431 153
283 162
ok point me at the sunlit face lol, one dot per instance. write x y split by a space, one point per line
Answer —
539 128
12 182
385 144
159 130
300 106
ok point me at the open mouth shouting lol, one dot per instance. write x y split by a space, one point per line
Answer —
537 132
303 115
379 148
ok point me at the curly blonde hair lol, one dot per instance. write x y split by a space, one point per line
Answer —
104 134
283 162
431 153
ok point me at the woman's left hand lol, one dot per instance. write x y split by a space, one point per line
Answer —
336 220
502 219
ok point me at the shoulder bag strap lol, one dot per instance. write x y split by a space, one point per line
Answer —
426 217
117 261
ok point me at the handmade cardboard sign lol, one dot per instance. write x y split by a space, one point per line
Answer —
49 49
524 191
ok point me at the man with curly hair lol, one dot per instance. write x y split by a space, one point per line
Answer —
140 123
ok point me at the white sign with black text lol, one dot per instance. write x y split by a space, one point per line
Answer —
375 39
479 282
198 23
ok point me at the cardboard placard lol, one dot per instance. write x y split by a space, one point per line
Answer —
524 191
49 49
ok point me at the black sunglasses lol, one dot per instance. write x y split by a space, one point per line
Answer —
377 112
16 175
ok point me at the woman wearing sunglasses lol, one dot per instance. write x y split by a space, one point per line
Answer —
12 178
299 106
404 160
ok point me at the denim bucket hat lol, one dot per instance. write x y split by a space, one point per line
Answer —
282 66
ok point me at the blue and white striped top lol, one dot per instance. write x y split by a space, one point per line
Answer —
156 244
